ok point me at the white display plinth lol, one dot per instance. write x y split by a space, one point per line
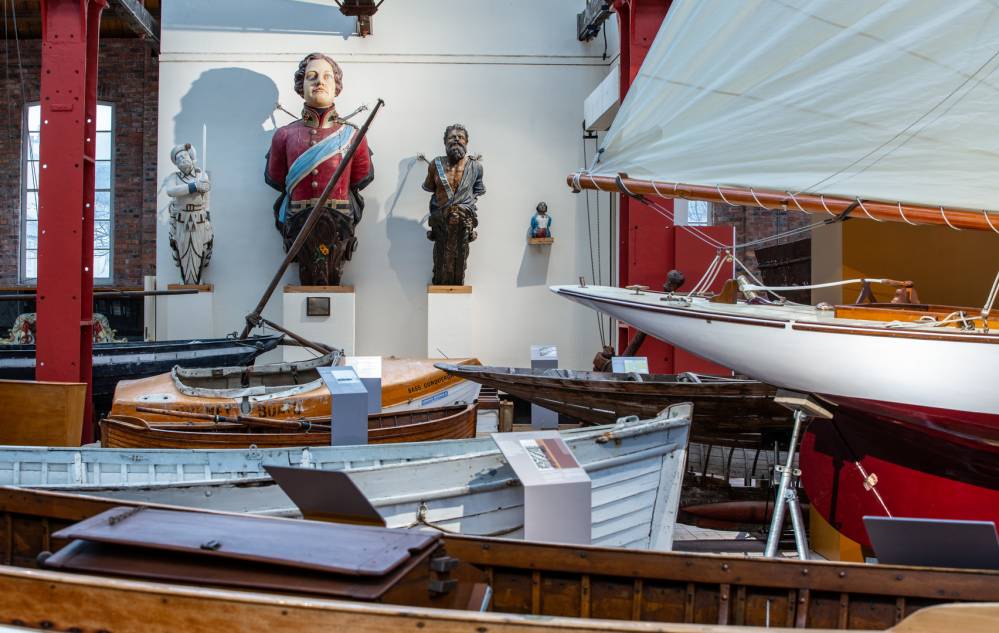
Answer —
185 316
450 322
557 491
335 329
369 370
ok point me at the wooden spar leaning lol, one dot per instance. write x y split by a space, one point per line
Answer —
253 318
809 203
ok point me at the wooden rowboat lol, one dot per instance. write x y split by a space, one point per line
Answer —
534 586
37 598
418 425
286 390
636 468
727 411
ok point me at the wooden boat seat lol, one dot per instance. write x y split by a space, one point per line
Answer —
354 562
909 312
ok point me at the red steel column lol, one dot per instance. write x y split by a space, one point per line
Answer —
70 32
638 22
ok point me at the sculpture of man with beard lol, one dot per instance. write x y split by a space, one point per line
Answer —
456 182
301 161
191 234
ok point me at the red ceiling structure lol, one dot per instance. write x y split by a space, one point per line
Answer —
70 36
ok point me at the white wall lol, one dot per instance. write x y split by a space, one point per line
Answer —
512 72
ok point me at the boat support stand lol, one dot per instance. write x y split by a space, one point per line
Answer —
804 407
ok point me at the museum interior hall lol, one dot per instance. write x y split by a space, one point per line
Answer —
499 316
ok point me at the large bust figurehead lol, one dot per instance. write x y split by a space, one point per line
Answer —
303 157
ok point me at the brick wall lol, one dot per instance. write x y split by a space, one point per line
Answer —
128 76
752 223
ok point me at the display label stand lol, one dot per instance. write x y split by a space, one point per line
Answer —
369 370
543 357
630 364
185 316
450 322
557 491
324 314
349 410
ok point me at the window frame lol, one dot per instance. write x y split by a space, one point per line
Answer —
25 159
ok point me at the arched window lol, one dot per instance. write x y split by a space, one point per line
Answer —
103 198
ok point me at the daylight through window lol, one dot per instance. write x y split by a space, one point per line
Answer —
103 168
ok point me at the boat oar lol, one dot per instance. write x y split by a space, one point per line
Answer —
249 420
253 319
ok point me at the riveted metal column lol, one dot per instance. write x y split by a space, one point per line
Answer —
66 192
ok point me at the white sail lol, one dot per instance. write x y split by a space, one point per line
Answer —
894 100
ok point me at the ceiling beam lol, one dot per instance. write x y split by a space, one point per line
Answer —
140 20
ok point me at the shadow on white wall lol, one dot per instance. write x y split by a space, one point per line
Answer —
264 16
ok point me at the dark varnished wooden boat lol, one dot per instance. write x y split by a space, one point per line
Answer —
729 412
630 590
417 425
139 359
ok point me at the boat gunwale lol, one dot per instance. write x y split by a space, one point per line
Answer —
456 414
856 327
179 374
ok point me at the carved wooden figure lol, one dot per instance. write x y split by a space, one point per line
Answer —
301 161
541 222
455 180
191 234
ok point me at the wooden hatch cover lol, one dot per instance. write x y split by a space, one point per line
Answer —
328 559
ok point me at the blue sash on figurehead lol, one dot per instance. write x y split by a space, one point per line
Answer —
311 159
444 181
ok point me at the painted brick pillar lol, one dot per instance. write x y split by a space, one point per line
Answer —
68 97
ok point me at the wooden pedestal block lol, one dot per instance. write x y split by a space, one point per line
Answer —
324 314
186 316
450 322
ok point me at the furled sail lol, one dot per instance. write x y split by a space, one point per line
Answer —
816 104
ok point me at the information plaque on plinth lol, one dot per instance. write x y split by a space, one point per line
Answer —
543 357
349 410
369 370
324 314
630 364
557 491
450 322
187 316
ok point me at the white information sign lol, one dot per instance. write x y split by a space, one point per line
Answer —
630 365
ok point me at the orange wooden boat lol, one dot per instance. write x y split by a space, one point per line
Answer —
286 390
417 425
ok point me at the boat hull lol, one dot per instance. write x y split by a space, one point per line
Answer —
726 412
890 388
407 385
114 362
864 464
636 486
441 423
